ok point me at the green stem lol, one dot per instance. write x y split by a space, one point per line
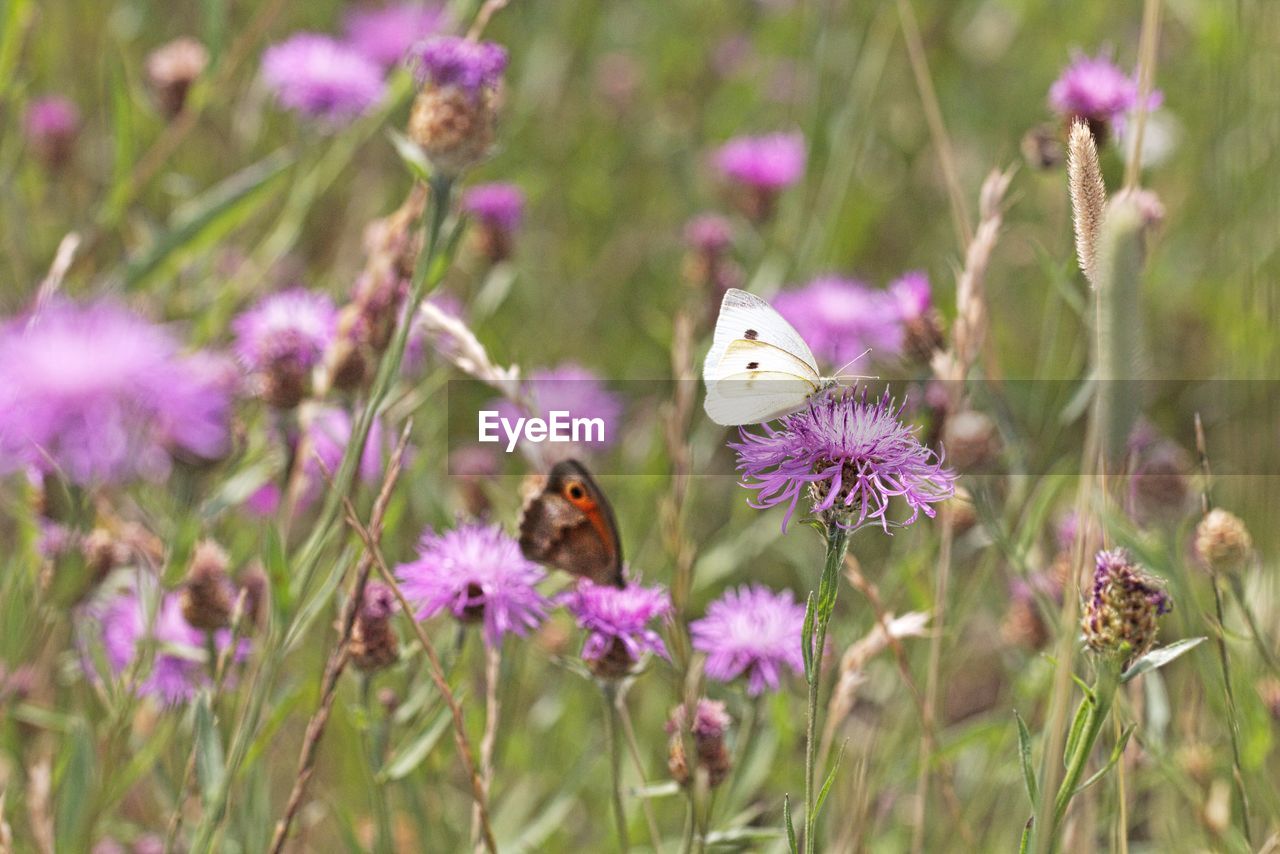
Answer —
383 844
1233 716
1104 691
828 587
610 692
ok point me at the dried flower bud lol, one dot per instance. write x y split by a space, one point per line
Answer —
615 663
1120 615
1160 487
1222 541
971 439
374 645
1042 147
102 553
172 69
207 597
1023 624
710 723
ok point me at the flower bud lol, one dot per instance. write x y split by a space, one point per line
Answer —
1120 615
102 553
971 439
207 597
1042 147
52 125
172 68
710 722
255 586
1222 541
454 115
374 645
497 211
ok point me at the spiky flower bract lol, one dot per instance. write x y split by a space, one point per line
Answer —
852 454
751 631
477 573
1120 613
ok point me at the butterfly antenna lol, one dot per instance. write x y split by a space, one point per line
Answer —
841 375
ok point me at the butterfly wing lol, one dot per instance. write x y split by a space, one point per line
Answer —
756 381
746 317
569 525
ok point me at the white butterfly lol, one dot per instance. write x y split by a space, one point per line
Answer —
758 368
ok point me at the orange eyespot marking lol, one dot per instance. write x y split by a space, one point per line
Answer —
577 495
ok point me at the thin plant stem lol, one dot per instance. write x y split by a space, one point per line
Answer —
609 691
384 840
828 588
1122 813
492 677
1233 714
1104 691
928 738
435 671
633 747
1148 41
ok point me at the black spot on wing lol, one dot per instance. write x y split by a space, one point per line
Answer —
751 366
751 335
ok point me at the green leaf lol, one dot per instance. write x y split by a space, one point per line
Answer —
75 790
1024 753
786 819
1158 658
210 763
208 218
412 754
1077 728
412 155
1025 845
656 790
1116 753
806 637
831 778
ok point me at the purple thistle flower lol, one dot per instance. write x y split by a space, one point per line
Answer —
852 455
843 318
708 234
321 78
912 295
710 719
617 619
751 630
385 34
453 61
576 390
129 620
51 116
99 394
297 325
1095 89
326 432
763 162
477 573
498 205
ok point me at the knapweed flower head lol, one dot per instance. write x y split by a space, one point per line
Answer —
322 78
384 34
573 389
374 645
280 340
921 325
707 264
853 456
98 394
618 624
751 631
454 115
1120 613
129 621
769 162
708 234
172 68
841 319
498 210
477 573
1222 542
710 724
1096 90
51 125
443 61
499 205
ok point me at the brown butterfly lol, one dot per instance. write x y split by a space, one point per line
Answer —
567 523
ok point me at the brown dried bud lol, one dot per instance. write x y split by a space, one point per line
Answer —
1023 625
454 127
286 382
206 599
172 69
710 723
102 553
374 645
971 440
924 336
1222 541
1042 148
615 664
